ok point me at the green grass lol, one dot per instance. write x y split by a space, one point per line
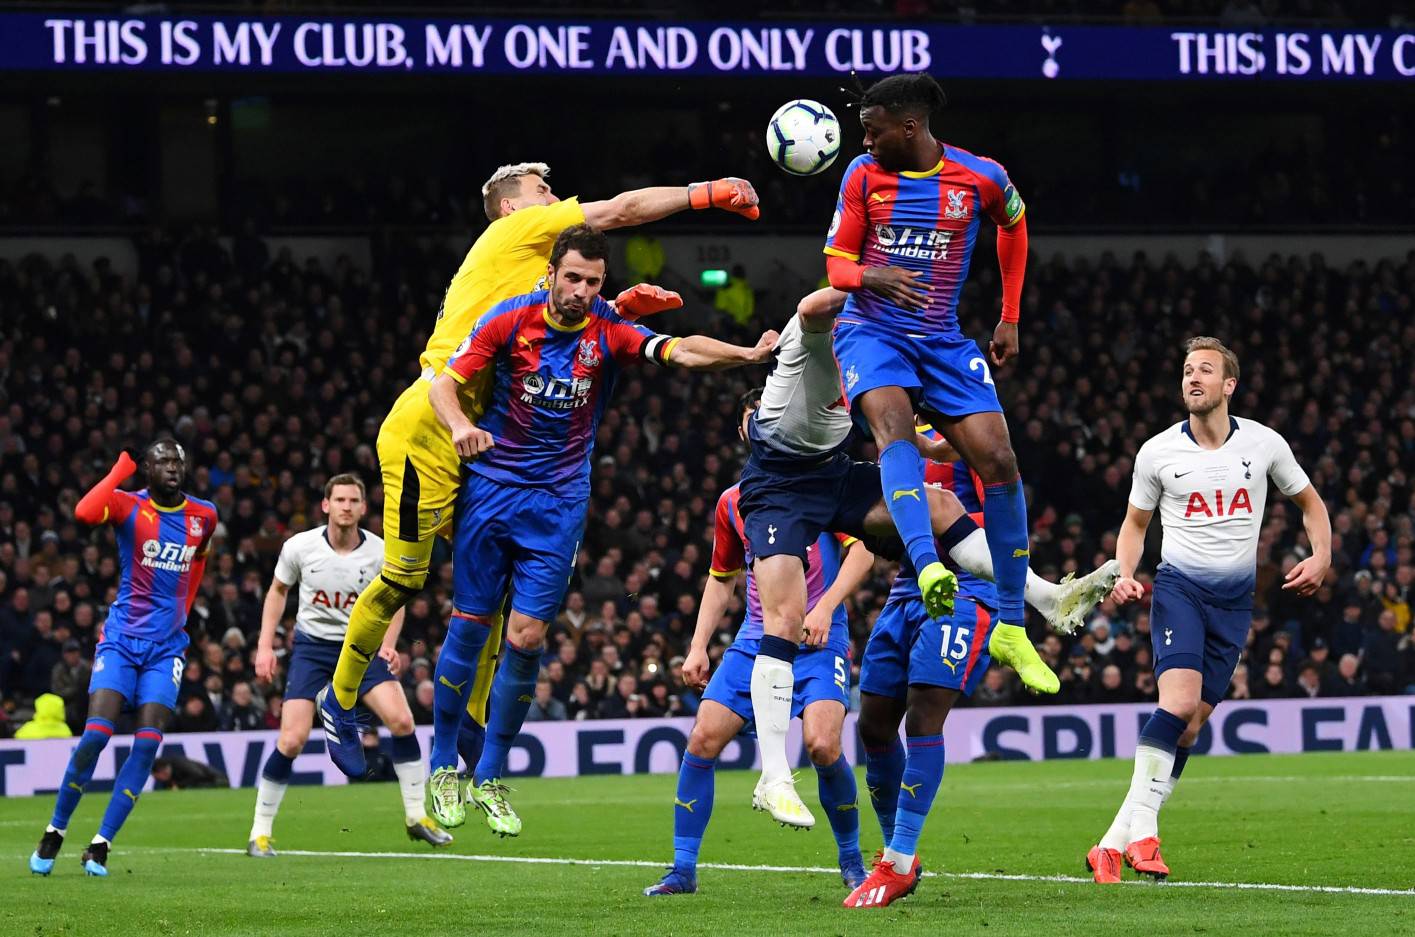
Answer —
1310 820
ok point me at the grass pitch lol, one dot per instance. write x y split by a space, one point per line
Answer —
1006 840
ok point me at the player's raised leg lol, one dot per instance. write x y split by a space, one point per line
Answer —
391 707
104 706
822 721
781 583
296 720
714 727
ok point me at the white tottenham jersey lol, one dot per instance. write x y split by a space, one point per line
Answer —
329 582
1211 501
802 410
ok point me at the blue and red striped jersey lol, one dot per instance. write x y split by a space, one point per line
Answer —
549 390
958 478
161 555
731 554
921 221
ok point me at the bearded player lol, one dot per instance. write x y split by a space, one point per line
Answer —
1208 476
421 471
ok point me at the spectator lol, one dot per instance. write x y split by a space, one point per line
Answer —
1309 680
420 703
1347 681
175 772
196 715
69 681
241 714
545 707
48 721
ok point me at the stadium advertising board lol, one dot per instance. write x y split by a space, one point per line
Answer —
67 41
640 746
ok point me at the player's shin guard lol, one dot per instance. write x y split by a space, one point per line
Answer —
923 772
129 783
840 800
97 732
1005 517
692 808
902 478
773 683
471 739
884 769
1138 817
452 685
510 701
1181 758
274 779
368 623
412 776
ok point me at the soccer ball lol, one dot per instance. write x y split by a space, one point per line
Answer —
803 137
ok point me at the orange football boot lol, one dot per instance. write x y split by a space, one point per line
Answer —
1144 857
883 887
1104 864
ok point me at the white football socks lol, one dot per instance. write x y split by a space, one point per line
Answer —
772 685
412 784
1150 786
268 795
971 553
902 864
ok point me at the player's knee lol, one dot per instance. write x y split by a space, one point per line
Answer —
876 733
400 724
997 464
401 578
1183 709
703 743
292 741
823 748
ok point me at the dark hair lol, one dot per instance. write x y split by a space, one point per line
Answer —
749 401
916 92
165 441
589 242
347 478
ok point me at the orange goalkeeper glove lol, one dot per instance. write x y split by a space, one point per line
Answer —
645 300
730 194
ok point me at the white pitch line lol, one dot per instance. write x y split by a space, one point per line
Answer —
731 867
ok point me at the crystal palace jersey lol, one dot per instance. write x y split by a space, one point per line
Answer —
921 221
965 484
731 554
329 582
550 387
160 553
1211 501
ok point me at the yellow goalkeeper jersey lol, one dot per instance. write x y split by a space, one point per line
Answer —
507 260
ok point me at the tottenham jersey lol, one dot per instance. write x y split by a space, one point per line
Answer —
1211 501
329 582
802 410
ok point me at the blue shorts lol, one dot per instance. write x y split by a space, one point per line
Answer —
821 674
312 667
947 371
907 648
787 503
521 539
142 671
1190 632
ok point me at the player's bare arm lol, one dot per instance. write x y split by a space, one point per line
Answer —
854 568
388 651
717 593
270 614
642 206
818 310
1129 546
936 450
1306 577
469 440
701 353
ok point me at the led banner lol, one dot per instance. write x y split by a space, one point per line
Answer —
410 46
654 746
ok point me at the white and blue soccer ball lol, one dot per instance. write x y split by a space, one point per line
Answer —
803 137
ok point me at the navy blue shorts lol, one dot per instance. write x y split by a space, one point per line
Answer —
820 674
947 372
142 671
1190 632
787 503
521 540
312 667
907 648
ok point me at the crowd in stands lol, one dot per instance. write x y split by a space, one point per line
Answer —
276 373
